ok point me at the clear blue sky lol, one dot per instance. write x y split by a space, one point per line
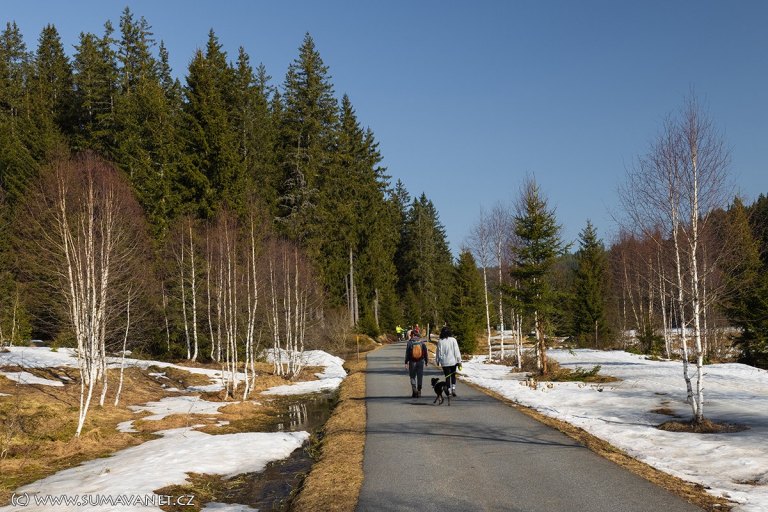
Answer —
467 98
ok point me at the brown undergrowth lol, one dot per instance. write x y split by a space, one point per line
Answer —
335 480
702 427
38 423
691 492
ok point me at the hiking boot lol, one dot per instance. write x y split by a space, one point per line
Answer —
453 394
418 394
413 394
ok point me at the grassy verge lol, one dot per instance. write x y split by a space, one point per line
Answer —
337 477
693 493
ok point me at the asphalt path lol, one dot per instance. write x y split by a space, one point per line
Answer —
481 454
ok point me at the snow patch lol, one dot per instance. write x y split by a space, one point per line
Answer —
28 378
328 380
177 405
141 469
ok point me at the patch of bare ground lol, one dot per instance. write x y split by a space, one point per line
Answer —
336 478
664 411
691 492
702 427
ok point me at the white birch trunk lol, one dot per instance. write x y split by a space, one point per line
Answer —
184 298
487 312
193 290
125 344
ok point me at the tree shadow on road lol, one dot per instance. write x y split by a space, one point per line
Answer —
478 433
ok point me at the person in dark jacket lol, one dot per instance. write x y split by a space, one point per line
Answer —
416 363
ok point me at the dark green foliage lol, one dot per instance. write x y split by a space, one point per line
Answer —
308 124
356 219
467 306
95 80
146 120
217 176
578 374
256 130
758 220
225 140
51 100
17 149
747 284
539 247
589 294
427 264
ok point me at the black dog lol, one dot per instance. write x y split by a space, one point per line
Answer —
441 388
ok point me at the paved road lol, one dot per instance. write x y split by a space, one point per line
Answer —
481 454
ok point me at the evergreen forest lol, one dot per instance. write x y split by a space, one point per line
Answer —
234 205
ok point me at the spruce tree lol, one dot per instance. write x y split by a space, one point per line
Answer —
540 244
590 287
51 93
254 128
145 147
747 284
400 200
467 312
308 125
95 80
18 165
428 264
210 134
758 220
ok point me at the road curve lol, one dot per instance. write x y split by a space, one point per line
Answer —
480 454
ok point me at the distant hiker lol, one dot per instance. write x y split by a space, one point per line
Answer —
399 331
416 357
448 356
413 331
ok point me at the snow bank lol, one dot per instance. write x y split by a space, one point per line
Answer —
328 380
620 413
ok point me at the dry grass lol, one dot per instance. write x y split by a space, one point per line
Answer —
337 477
664 411
703 427
693 493
38 424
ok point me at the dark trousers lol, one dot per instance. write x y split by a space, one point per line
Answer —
416 372
450 374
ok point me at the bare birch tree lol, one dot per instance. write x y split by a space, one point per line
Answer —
85 224
293 296
500 230
186 253
678 185
479 240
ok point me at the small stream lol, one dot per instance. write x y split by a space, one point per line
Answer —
271 488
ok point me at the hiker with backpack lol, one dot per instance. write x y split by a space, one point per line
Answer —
448 356
416 358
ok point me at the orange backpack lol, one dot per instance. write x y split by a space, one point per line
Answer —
416 352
